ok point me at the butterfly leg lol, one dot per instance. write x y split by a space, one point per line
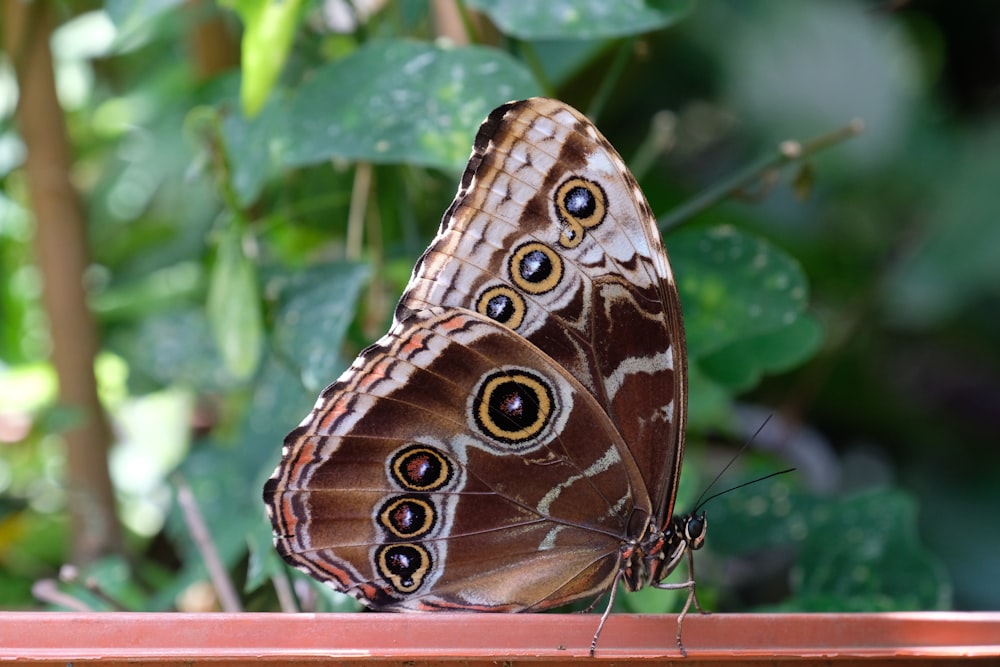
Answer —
607 611
692 598
590 607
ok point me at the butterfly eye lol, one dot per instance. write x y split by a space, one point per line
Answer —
694 530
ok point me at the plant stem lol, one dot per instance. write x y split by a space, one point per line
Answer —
614 74
787 152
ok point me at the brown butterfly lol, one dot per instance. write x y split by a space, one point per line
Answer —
514 442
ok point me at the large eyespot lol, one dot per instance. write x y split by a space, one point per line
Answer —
581 200
512 406
502 304
580 204
535 268
420 468
407 517
404 565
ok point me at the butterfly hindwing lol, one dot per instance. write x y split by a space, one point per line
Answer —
413 464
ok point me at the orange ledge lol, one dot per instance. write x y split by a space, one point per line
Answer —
484 639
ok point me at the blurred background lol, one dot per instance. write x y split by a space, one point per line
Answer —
208 208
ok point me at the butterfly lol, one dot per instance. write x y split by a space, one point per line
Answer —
514 442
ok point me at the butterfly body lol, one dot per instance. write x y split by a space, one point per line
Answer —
514 442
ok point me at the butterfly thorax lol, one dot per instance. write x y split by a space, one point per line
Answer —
650 559
638 555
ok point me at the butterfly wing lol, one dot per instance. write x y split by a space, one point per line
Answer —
523 419
551 236
454 465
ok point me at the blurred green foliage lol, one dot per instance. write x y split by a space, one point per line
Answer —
230 287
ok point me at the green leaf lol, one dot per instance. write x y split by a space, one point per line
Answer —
562 59
264 562
253 147
315 309
740 366
269 26
115 578
709 403
278 403
234 307
137 19
865 554
581 19
171 347
762 515
734 286
122 12
152 293
400 102
860 553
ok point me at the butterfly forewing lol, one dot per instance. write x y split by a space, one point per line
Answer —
523 420
612 318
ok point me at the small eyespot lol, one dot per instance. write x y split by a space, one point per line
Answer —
404 565
535 268
407 517
420 468
502 304
580 204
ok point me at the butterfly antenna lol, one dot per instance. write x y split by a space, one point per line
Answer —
740 486
702 500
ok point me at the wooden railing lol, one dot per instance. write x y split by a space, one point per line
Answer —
61 638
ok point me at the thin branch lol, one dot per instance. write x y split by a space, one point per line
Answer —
70 574
787 152
356 214
453 20
613 76
659 140
536 66
286 599
223 585
47 591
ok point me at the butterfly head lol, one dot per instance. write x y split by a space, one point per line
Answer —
694 528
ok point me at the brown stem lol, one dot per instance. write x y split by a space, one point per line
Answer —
211 42
202 538
47 591
62 258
